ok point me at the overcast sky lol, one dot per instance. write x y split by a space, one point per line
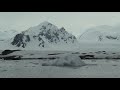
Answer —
74 22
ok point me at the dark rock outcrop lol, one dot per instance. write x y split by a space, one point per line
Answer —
6 52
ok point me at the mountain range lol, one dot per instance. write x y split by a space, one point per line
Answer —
48 36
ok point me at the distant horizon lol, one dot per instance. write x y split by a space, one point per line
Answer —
74 22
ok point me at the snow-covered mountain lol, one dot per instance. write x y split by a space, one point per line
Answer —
103 33
5 35
45 35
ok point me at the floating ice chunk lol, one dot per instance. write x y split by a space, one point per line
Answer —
66 60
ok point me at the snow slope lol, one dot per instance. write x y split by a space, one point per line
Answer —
103 33
5 35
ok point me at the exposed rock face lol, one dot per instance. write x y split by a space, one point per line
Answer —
18 40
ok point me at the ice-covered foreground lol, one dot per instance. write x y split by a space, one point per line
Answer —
34 69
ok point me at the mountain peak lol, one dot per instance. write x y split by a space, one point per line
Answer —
46 26
44 35
62 28
45 23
